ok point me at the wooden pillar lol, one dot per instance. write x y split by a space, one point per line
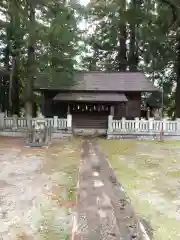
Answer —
112 110
68 109
42 105
69 117
125 107
148 113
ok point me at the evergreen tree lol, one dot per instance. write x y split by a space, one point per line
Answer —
37 37
137 35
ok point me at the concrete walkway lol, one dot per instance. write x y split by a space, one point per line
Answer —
104 210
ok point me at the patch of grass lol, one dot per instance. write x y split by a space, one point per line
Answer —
172 143
61 161
163 227
72 193
115 147
174 173
50 227
142 168
22 236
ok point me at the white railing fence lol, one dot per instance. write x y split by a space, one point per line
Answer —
11 122
137 125
62 123
22 123
114 126
48 121
8 123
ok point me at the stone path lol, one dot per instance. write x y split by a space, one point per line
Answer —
103 209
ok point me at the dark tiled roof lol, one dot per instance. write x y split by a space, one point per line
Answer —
100 97
101 81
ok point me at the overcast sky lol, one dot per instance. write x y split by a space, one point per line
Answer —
84 2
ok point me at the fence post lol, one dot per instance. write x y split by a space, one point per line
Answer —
110 127
178 125
29 121
55 122
151 120
137 124
123 124
15 125
164 125
2 115
69 121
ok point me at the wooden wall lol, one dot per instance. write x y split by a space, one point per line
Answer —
133 107
130 109
54 108
119 110
91 120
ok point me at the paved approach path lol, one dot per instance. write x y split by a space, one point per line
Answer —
103 209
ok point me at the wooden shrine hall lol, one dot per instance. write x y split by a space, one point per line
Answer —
94 96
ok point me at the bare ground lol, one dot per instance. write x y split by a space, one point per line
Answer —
37 190
150 173
104 210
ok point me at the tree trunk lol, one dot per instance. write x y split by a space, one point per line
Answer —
5 99
93 62
177 95
30 63
133 58
15 107
133 53
122 53
11 83
13 50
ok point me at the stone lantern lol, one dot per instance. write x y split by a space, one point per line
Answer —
40 133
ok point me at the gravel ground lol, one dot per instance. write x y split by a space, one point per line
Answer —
36 190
